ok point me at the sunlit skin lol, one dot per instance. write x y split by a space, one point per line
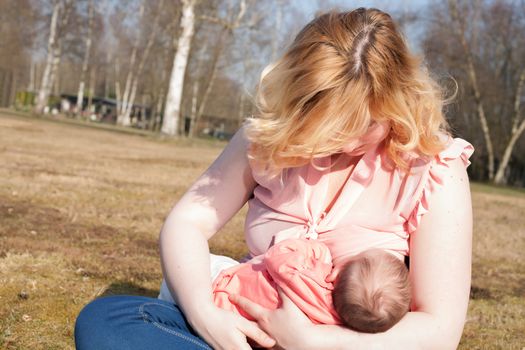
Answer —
440 268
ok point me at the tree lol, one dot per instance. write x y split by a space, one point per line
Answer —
459 27
85 63
124 106
228 26
59 20
180 61
145 55
507 18
16 43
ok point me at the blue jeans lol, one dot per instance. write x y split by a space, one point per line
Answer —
132 323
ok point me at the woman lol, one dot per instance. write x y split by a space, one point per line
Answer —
350 139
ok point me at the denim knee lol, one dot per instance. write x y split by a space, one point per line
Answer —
91 329
134 322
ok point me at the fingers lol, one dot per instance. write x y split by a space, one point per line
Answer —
253 309
249 328
290 308
252 331
333 275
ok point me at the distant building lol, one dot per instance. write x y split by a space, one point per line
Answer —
214 126
104 109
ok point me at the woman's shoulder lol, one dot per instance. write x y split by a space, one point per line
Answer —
429 174
455 148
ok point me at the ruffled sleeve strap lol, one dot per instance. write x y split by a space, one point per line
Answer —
433 178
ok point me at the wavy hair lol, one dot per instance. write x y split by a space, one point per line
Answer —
342 72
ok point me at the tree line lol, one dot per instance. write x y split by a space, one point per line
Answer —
167 65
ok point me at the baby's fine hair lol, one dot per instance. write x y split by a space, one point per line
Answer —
372 292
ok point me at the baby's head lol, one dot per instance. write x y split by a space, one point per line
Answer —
372 292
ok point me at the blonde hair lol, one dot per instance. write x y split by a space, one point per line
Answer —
343 71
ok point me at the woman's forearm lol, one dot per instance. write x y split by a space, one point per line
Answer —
185 262
417 330
212 200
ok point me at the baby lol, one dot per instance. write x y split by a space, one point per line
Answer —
370 294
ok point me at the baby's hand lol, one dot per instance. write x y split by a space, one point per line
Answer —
333 275
337 269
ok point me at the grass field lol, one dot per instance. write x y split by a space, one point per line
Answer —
81 208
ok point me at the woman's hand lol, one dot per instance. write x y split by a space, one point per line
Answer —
288 325
224 329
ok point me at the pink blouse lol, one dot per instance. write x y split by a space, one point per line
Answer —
376 208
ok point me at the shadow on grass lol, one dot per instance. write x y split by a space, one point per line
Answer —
480 293
129 288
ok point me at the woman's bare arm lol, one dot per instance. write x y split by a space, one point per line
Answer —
203 210
440 273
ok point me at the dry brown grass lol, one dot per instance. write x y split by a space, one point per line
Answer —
80 211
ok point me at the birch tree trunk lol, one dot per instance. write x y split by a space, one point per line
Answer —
228 26
106 75
193 113
174 99
62 27
159 107
91 89
121 119
516 132
215 64
45 85
117 88
59 20
459 27
155 118
55 70
129 104
32 73
85 63
130 100
195 92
